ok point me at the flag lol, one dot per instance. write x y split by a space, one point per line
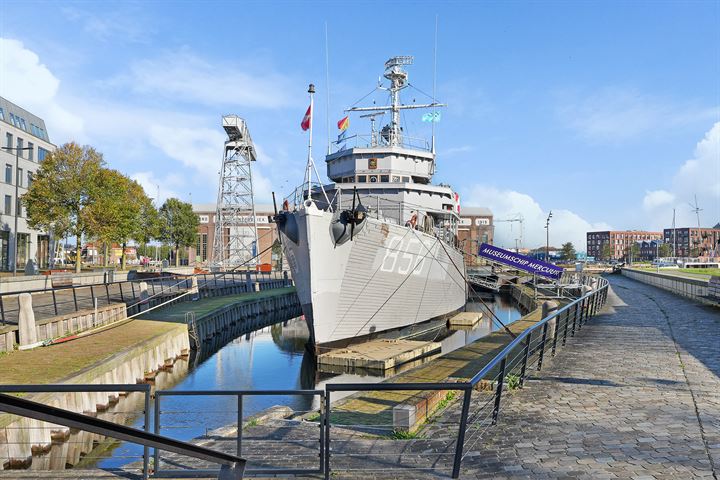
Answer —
342 136
431 117
344 123
305 124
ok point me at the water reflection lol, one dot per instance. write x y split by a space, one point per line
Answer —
276 358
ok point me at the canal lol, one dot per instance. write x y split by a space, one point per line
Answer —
272 358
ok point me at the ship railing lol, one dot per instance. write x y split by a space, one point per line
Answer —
374 140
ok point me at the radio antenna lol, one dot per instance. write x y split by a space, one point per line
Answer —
327 88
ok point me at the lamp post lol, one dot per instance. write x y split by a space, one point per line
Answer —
15 236
547 244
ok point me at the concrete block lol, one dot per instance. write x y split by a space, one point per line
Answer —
404 417
26 322
144 296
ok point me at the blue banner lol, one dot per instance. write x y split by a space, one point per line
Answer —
523 262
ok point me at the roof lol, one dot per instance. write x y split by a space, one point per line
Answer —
475 211
20 118
260 208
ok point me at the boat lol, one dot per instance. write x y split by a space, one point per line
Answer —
376 250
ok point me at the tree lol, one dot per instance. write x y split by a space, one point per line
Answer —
178 225
121 212
664 250
63 187
607 251
632 252
568 251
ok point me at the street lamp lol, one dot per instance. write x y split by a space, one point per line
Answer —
15 239
547 245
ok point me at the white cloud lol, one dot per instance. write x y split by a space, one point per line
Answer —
185 77
657 198
565 225
126 25
30 84
615 115
699 176
154 186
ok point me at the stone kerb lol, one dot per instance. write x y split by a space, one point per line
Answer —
27 333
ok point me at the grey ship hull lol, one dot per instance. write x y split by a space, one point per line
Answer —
387 277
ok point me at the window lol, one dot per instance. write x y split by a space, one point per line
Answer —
201 247
24 125
29 179
41 154
385 178
373 178
12 118
9 142
20 146
396 179
8 204
362 178
31 152
19 177
18 206
2 114
406 179
8 173
204 218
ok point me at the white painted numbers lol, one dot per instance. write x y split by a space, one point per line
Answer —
406 255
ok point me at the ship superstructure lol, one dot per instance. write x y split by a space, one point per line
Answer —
377 249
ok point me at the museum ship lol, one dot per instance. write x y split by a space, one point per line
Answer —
377 250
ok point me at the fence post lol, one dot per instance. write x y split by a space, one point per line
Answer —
2 308
146 449
92 294
461 432
498 392
107 293
327 434
542 346
526 354
575 317
122 297
557 329
156 452
54 303
322 432
240 424
74 298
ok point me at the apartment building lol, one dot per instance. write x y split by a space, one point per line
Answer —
25 143
693 241
620 241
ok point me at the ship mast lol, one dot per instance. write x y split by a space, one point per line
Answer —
398 81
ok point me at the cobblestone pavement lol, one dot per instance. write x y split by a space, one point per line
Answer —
634 395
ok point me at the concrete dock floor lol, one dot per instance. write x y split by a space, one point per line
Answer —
379 354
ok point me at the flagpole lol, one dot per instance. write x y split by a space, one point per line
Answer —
308 174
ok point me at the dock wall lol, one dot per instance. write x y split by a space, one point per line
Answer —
242 317
697 289
24 440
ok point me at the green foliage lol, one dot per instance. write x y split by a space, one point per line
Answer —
664 250
178 225
607 251
449 397
568 251
404 435
513 381
65 185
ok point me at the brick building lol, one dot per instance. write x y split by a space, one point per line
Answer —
621 242
201 254
693 241
476 227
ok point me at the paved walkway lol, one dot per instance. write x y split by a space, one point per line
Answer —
635 395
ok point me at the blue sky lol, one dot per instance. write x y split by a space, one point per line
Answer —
606 113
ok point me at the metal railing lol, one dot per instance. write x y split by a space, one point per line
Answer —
52 302
232 466
512 365
301 449
477 412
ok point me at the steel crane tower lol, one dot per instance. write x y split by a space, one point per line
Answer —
236 241
518 217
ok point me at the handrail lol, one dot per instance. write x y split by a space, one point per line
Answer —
528 331
232 466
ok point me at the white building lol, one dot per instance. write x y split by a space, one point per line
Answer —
24 134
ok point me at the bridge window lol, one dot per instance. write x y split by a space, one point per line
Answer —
373 178
362 178
396 179
406 179
385 178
